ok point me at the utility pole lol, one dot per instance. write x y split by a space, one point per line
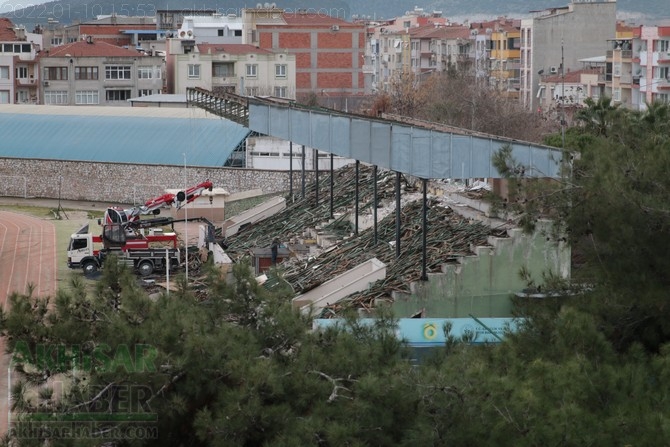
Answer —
186 218
562 97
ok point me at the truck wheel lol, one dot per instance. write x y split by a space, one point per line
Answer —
145 268
90 267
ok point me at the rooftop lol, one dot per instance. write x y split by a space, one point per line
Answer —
571 77
7 29
94 48
141 135
316 19
231 48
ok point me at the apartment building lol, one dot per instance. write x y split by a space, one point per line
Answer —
97 73
621 80
216 28
236 68
651 63
19 72
556 39
329 51
114 29
505 56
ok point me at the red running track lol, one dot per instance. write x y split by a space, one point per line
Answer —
27 259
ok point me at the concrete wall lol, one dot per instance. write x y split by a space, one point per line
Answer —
127 183
482 284
353 280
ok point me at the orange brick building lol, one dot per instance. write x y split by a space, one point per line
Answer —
329 52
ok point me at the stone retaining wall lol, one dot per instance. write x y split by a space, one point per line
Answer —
128 183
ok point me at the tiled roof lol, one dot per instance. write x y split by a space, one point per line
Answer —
502 24
232 48
623 28
94 49
571 77
7 29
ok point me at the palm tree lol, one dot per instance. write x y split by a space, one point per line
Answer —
598 116
656 118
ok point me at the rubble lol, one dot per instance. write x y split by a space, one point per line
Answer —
450 236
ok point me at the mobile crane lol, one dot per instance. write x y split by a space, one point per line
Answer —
123 236
118 215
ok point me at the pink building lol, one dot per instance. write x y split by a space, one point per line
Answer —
651 62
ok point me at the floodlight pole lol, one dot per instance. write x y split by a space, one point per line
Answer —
185 218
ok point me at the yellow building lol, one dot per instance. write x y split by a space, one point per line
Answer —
505 57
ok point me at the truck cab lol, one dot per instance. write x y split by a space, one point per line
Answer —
81 252
144 254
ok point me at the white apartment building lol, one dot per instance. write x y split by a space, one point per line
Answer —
236 68
97 73
19 72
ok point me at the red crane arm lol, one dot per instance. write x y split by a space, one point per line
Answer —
192 193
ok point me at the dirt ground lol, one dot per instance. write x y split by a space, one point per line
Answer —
28 264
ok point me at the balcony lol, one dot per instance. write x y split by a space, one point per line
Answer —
23 82
626 79
224 80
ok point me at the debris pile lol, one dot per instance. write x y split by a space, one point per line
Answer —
450 235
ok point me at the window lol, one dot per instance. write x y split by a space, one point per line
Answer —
662 72
55 97
55 73
55 41
238 32
146 92
117 95
21 72
194 71
663 45
220 33
280 71
114 72
4 96
252 70
84 73
22 96
616 95
251 91
223 70
280 92
406 24
4 71
148 73
87 97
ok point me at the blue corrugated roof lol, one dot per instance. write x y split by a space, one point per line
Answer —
120 139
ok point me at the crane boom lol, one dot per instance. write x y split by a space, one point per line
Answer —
124 217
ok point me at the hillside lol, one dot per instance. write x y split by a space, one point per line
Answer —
67 11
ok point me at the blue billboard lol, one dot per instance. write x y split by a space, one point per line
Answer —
430 332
